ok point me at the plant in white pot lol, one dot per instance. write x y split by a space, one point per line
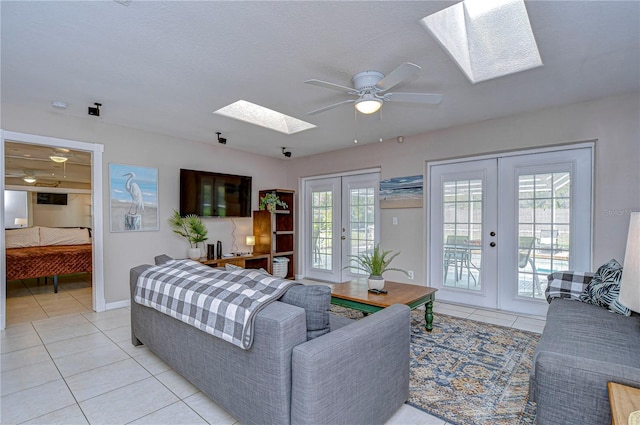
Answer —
192 229
270 201
375 264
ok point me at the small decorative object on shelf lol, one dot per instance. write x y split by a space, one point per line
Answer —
375 264
192 229
270 201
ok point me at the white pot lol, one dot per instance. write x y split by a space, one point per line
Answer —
376 282
194 253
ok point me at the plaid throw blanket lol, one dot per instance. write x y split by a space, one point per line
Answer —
221 303
568 284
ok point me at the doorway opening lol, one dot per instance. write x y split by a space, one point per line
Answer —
54 186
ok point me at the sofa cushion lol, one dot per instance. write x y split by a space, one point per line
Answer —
316 300
604 289
22 238
64 236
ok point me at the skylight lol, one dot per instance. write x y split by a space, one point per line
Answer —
264 117
486 38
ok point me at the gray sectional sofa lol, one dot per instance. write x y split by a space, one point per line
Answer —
582 348
358 373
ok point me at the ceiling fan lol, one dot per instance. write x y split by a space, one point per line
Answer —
371 88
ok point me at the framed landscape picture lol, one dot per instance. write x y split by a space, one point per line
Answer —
401 192
133 198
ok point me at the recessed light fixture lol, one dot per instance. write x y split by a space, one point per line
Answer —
368 104
264 117
58 104
58 157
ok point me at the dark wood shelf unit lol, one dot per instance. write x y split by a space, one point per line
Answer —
275 233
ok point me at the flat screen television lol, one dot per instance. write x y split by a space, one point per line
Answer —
51 198
208 194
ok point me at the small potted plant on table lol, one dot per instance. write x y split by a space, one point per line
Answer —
375 264
192 229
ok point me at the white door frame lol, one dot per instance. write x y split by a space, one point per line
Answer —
303 224
99 303
427 173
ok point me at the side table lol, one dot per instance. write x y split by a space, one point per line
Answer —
624 400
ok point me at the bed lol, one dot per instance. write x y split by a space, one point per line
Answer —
37 251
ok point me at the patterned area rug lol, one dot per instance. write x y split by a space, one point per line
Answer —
467 372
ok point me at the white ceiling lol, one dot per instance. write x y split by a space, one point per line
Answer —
166 66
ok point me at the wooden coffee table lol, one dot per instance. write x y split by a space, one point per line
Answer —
355 295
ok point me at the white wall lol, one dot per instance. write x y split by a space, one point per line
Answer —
613 121
77 212
122 145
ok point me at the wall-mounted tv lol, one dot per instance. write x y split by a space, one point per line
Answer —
210 194
51 198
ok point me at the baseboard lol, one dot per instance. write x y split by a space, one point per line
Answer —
117 304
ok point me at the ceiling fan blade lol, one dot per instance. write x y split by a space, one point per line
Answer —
332 86
398 75
326 108
427 98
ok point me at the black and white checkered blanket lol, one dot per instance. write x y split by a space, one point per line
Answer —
221 303
567 284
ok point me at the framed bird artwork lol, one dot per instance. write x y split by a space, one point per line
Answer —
133 198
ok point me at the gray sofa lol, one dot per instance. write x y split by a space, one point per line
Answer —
582 348
358 373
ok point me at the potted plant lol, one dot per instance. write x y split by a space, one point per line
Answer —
191 228
375 264
270 201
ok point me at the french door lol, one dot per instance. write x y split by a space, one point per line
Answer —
341 219
499 226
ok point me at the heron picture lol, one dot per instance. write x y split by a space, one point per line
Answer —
133 198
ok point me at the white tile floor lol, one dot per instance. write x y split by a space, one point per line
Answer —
81 368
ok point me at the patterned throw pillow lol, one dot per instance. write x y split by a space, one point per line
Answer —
604 289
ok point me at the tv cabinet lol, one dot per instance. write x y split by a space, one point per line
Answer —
275 232
255 261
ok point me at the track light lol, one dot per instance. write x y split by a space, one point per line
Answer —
286 153
221 140
95 111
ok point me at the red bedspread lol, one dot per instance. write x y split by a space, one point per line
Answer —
38 261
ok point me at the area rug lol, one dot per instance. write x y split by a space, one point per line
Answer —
468 372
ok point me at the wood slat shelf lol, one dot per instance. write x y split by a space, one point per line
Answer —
275 233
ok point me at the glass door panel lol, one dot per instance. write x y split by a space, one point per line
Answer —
460 232
322 229
360 221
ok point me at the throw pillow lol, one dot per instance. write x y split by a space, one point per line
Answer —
604 289
229 267
316 300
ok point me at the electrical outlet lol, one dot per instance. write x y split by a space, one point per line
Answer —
410 274
395 221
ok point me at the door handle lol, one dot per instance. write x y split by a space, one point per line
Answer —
492 234
343 237
492 244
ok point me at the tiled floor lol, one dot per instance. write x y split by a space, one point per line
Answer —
81 368
32 299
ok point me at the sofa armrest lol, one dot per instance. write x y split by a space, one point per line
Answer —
567 284
573 389
358 374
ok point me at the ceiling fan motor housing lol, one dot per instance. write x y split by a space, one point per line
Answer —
366 80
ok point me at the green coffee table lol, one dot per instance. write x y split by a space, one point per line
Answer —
355 295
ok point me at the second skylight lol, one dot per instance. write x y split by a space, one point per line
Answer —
264 117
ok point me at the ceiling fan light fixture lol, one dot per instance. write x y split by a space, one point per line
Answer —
58 158
368 104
